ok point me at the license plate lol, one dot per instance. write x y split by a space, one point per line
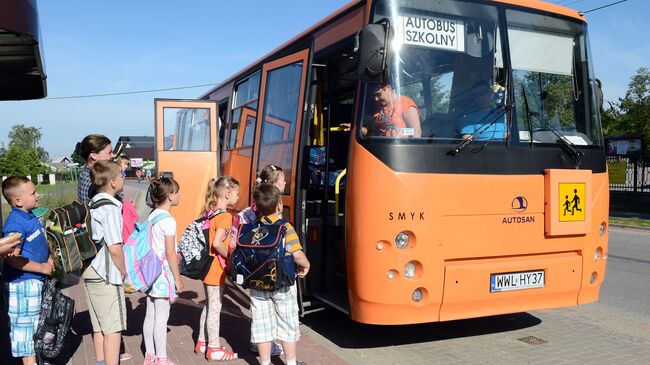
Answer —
516 281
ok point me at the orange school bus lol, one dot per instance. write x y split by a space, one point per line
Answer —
473 180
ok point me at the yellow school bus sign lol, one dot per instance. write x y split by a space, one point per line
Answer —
572 198
567 202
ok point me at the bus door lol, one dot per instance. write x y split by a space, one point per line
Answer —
279 121
187 148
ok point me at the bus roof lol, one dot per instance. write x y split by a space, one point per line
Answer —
21 59
531 4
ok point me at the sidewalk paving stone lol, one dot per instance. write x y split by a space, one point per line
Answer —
183 328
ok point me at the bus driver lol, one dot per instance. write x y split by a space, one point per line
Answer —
398 116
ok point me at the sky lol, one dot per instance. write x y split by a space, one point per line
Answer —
97 47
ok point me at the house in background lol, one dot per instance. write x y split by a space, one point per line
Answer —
60 164
141 151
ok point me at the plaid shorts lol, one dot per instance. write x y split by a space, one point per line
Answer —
275 315
24 308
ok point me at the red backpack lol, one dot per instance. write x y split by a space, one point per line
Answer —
129 219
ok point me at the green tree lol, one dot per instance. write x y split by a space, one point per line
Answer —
19 161
636 104
27 137
78 159
631 114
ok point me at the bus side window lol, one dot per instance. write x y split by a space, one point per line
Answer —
244 113
280 117
186 129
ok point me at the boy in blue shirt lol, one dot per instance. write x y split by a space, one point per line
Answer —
25 269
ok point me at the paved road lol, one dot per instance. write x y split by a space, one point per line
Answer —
627 284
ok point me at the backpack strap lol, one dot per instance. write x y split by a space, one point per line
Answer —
94 205
158 218
214 214
100 203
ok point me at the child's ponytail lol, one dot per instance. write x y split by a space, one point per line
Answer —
210 197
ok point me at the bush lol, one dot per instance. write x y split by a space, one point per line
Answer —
60 195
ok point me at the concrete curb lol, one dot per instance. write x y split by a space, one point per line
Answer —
629 226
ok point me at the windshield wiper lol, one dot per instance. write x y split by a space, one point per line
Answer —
528 114
572 151
502 109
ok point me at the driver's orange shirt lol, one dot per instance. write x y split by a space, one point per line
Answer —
390 120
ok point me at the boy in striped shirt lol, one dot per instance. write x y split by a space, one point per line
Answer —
275 313
104 277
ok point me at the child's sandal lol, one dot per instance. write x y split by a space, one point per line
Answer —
219 354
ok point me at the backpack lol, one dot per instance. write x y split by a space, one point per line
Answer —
259 260
194 247
54 321
129 219
143 266
69 232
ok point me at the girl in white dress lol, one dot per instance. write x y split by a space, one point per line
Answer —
165 195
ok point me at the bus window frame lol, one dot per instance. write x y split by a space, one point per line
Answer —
305 57
232 107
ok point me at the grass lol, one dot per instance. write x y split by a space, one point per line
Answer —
52 196
630 221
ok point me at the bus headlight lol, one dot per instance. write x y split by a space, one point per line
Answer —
602 228
413 270
598 254
392 274
402 240
593 277
418 294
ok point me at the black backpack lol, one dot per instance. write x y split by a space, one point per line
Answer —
69 230
54 322
260 260
194 247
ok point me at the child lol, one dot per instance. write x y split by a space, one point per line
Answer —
103 278
275 313
273 175
223 194
124 161
270 174
164 193
25 270
94 147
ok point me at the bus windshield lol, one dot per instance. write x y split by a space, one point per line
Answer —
450 81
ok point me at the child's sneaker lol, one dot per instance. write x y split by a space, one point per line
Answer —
150 359
165 361
200 347
219 354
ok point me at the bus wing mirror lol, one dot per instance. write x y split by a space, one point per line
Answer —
373 42
598 90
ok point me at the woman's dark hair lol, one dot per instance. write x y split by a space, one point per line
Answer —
93 143
161 188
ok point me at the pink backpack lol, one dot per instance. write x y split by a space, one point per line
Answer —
129 219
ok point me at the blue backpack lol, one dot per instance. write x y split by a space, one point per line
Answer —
143 266
260 260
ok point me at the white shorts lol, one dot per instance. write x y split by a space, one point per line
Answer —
275 315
